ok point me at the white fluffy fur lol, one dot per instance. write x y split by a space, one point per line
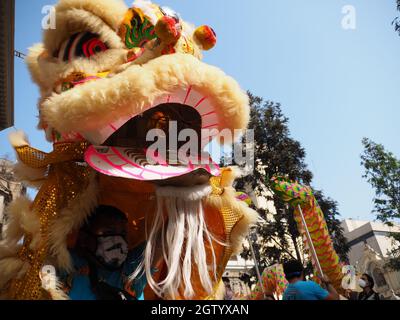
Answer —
32 60
110 11
54 287
30 176
20 221
146 7
11 268
18 139
183 239
136 88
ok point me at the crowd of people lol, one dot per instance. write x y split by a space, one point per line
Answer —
300 289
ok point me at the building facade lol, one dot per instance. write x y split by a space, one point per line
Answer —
235 268
369 244
6 63
9 189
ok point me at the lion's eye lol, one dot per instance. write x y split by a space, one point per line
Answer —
84 44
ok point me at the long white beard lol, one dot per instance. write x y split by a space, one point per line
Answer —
182 239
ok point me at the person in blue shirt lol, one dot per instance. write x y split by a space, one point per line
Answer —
299 289
102 261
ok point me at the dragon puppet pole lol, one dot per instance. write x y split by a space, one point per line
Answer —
256 265
310 243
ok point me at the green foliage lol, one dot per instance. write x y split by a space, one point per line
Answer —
394 254
277 153
382 171
396 21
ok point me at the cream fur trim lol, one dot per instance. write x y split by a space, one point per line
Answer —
110 11
131 91
32 61
10 265
11 268
18 139
242 228
18 212
248 219
30 176
59 294
20 220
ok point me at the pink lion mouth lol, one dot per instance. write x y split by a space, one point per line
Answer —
131 164
122 149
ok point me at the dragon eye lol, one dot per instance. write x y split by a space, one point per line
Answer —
84 44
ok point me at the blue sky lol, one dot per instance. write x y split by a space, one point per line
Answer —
335 85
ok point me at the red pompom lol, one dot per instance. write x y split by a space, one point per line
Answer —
168 30
205 37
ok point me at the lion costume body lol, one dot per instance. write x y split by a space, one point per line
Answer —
107 74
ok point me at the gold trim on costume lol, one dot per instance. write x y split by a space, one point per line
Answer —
66 178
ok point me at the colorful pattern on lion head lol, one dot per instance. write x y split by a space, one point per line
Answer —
107 75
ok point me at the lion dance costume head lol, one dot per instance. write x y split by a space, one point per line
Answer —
108 75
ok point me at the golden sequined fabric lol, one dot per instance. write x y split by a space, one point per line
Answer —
230 219
66 177
215 183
